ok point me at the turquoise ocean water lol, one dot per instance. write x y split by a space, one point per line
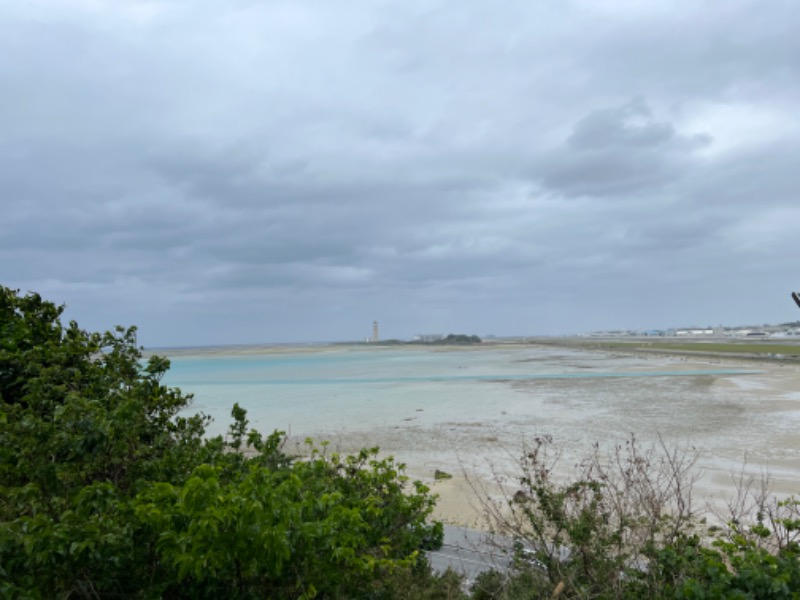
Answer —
336 389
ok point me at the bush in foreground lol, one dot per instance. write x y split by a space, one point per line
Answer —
624 526
107 488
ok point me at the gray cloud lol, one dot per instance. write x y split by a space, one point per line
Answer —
244 172
620 150
629 127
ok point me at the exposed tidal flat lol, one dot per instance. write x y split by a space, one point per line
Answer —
471 408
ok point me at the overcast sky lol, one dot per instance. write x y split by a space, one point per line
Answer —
234 171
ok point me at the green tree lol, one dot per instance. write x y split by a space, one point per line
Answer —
109 489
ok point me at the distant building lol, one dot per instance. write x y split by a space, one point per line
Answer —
429 337
374 331
654 333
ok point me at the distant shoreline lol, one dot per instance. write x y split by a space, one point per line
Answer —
778 352
277 348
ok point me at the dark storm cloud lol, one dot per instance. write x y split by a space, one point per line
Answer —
240 171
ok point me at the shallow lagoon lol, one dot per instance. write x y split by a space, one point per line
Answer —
344 388
473 407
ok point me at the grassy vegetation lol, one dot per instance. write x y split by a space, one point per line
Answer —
733 347
764 349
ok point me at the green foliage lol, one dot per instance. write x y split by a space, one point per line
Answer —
421 584
624 528
454 339
108 488
525 584
325 525
460 338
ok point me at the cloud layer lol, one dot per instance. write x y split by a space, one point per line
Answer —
238 171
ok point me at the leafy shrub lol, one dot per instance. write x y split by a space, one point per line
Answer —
108 489
625 527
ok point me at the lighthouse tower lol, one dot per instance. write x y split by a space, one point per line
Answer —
374 331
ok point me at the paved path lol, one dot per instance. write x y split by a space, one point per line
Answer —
471 552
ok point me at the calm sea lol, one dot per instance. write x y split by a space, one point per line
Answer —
343 389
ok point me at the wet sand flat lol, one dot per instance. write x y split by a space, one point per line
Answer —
740 423
474 411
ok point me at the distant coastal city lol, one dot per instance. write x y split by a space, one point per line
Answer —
746 332
783 330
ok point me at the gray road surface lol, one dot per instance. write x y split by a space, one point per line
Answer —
471 552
